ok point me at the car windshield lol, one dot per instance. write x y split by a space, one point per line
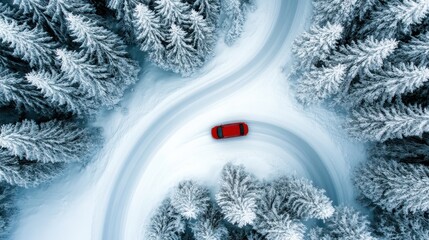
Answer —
219 132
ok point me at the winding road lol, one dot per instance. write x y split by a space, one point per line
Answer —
186 108
163 136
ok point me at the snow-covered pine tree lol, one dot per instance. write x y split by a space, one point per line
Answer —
273 220
61 93
94 81
190 199
104 45
320 84
52 141
409 150
394 186
363 7
362 56
209 226
203 37
416 50
37 9
400 227
238 194
32 45
316 44
390 82
235 20
181 56
14 90
148 29
23 173
8 12
7 209
166 223
124 13
59 9
209 9
172 12
377 123
333 11
395 18
303 200
317 233
346 224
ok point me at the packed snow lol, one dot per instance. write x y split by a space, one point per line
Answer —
161 135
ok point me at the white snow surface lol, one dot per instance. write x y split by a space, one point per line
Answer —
162 136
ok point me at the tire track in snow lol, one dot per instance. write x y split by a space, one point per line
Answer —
302 151
182 110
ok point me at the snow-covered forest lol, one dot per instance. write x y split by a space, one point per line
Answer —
67 64
248 208
368 60
62 62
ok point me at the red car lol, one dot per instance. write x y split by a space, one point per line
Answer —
230 130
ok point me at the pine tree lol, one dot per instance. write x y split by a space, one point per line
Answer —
37 8
209 9
181 55
410 150
34 7
333 11
362 56
363 7
416 50
93 80
32 45
124 12
377 123
273 220
105 46
8 12
399 226
393 81
61 93
320 83
395 17
23 173
172 11
23 95
235 28
190 199
209 226
394 186
317 233
166 223
7 209
53 141
278 226
148 28
202 34
238 195
345 224
303 199
235 11
316 44
60 9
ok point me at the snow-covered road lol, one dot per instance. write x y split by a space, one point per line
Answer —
164 136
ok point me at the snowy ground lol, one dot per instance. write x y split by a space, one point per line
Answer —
163 136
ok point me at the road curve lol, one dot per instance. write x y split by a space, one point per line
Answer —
181 111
